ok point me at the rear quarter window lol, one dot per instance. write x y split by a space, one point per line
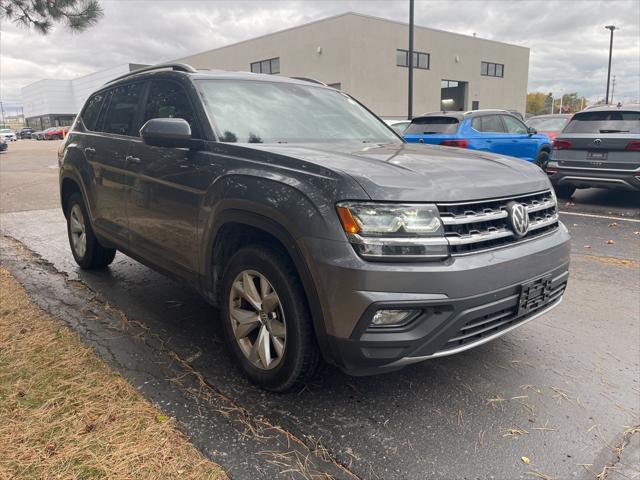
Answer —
432 125
605 122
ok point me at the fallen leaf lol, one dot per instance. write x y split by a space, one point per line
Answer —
161 418
587 246
614 224
610 242
526 460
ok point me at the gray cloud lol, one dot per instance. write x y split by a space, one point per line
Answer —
569 46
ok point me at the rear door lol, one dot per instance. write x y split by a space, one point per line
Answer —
492 136
600 140
166 186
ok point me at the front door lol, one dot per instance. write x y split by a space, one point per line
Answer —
522 145
165 188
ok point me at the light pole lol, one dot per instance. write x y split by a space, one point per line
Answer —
410 63
612 28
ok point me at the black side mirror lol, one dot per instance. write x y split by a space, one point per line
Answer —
532 131
167 132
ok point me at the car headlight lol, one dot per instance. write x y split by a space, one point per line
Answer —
394 232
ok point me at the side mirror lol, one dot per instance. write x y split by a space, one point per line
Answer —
167 132
532 131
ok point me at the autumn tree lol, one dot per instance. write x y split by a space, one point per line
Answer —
41 15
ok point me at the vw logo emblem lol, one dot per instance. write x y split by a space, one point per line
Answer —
597 141
519 218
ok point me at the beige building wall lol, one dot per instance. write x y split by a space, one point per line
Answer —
359 52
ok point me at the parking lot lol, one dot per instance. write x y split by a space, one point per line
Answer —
556 398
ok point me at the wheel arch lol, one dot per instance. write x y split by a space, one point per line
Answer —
234 226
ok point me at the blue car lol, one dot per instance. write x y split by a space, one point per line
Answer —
495 131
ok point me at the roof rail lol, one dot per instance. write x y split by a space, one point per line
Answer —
178 67
312 80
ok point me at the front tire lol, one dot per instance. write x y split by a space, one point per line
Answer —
85 247
542 160
266 319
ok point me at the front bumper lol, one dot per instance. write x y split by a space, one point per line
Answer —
463 301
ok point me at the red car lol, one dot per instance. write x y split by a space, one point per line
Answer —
55 133
549 125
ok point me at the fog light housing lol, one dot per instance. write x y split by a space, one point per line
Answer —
392 318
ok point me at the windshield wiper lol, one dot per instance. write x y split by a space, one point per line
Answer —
614 131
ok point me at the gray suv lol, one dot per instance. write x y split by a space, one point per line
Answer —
599 147
315 228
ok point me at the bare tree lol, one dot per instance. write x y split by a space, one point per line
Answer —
41 15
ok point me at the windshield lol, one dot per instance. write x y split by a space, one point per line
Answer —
604 122
547 124
269 112
430 125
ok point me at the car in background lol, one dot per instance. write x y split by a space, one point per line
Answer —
8 134
38 135
398 125
495 131
55 133
516 113
3 144
549 125
24 133
599 147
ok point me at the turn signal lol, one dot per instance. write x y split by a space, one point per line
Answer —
348 222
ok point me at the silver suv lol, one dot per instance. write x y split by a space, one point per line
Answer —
314 227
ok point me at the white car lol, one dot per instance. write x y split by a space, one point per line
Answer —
8 134
398 125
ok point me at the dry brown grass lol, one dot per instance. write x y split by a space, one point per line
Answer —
64 414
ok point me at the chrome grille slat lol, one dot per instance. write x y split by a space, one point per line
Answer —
481 225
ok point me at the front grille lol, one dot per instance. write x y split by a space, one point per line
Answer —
475 226
487 325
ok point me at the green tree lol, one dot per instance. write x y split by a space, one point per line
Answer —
535 102
40 15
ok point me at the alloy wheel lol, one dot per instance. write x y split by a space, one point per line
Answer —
78 231
257 319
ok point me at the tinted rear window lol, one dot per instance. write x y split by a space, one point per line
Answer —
92 110
431 125
605 122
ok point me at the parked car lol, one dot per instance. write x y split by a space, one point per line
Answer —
599 147
398 125
516 113
24 133
316 229
38 135
8 134
3 144
55 133
495 131
549 125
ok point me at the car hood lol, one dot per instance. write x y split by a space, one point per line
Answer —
406 172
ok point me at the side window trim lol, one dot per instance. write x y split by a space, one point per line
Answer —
104 94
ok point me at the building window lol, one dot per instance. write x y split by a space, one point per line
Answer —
420 59
489 69
270 66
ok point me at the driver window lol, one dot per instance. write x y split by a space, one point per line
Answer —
514 125
168 100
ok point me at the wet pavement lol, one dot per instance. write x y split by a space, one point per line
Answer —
560 391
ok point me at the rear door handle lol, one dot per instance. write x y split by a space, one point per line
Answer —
134 160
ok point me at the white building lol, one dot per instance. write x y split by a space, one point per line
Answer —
52 102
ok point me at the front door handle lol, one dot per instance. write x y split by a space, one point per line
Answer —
89 151
134 160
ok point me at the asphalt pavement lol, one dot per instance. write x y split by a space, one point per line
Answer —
556 398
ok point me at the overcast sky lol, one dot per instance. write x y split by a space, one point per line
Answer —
568 42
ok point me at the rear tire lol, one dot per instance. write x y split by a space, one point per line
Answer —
266 319
85 247
564 191
542 160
